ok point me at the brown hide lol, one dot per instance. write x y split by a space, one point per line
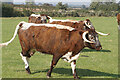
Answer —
50 40
79 25
118 19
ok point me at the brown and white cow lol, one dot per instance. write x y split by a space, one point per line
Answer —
118 20
83 25
58 40
33 18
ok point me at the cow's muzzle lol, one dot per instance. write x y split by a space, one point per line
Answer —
98 48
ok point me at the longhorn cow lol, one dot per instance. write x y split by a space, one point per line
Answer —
60 41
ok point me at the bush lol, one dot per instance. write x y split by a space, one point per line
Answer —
27 12
18 14
7 10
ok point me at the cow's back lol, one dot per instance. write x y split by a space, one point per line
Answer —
77 25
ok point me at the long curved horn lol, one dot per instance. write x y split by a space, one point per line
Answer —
102 33
84 37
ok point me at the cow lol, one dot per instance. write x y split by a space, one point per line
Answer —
118 20
84 25
38 19
60 41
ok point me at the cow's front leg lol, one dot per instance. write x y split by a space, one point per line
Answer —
73 65
26 61
53 64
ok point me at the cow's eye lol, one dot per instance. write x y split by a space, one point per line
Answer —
92 37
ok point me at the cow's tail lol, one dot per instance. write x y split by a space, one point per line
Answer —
15 33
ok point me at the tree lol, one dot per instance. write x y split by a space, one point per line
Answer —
27 12
61 6
47 4
94 5
83 6
75 14
7 10
30 2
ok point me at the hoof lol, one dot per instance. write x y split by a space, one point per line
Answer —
48 76
28 70
76 77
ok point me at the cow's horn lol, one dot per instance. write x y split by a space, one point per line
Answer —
84 37
102 33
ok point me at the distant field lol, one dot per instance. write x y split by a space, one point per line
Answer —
91 63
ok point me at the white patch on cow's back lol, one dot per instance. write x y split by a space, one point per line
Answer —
27 25
52 20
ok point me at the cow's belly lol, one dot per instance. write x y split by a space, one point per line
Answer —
67 57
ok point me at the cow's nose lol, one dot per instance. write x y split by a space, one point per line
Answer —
98 48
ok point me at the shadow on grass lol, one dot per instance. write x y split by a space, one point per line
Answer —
80 72
93 50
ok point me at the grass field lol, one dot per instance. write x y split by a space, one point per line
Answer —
91 63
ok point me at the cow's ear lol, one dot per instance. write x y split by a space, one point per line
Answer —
47 17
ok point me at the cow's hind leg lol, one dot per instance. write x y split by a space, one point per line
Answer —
26 61
53 64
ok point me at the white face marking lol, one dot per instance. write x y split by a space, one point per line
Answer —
27 25
34 15
26 60
68 59
43 17
73 67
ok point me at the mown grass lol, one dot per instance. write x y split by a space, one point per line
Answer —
91 63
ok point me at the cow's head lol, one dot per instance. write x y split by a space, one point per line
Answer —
44 18
88 25
91 39
38 20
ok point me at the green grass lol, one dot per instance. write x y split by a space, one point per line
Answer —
91 63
